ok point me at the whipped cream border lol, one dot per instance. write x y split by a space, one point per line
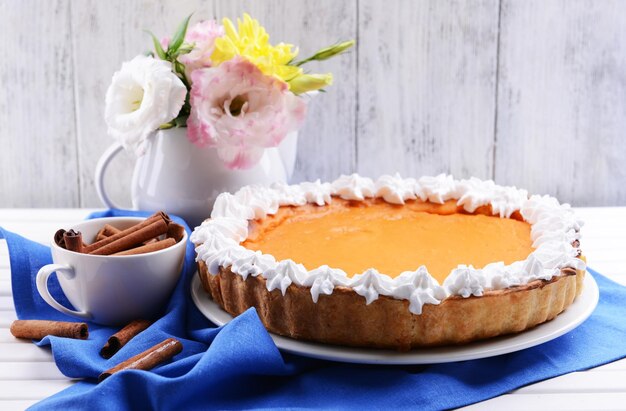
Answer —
554 229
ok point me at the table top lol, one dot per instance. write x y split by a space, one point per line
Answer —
28 374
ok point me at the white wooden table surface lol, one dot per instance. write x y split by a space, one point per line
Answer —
28 374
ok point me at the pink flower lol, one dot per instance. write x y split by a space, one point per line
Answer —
240 111
202 36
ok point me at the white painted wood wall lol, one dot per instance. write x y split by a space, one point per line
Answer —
530 93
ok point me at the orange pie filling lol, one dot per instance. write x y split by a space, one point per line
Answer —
356 236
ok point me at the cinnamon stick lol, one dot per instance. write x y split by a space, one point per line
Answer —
58 238
120 338
147 359
160 216
148 248
127 241
73 241
175 231
107 231
37 329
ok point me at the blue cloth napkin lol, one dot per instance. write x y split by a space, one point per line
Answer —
238 365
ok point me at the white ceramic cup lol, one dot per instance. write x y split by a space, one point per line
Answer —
112 290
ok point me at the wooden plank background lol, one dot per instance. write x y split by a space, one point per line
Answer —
529 93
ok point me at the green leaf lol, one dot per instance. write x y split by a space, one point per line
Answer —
179 36
157 46
181 121
179 69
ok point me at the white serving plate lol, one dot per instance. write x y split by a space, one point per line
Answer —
572 317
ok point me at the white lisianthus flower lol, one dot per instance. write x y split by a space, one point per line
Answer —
143 95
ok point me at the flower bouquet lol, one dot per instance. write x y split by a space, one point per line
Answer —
233 90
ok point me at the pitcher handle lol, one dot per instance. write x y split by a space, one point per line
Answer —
101 168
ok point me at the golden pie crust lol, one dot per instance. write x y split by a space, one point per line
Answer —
344 318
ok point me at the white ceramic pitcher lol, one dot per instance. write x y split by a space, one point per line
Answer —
180 178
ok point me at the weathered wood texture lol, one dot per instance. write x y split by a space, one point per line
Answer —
427 80
38 148
529 93
561 126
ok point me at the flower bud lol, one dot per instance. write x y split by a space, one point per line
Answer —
310 82
328 52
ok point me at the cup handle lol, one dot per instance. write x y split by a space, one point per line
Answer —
101 168
42 287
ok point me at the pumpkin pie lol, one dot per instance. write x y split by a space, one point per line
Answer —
392 263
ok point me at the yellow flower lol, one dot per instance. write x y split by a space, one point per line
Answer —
251 41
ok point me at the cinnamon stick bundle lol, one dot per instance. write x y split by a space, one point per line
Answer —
144 237
124 240
147 359
160 216
73 241
37 329
120 338
108 230
148 248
